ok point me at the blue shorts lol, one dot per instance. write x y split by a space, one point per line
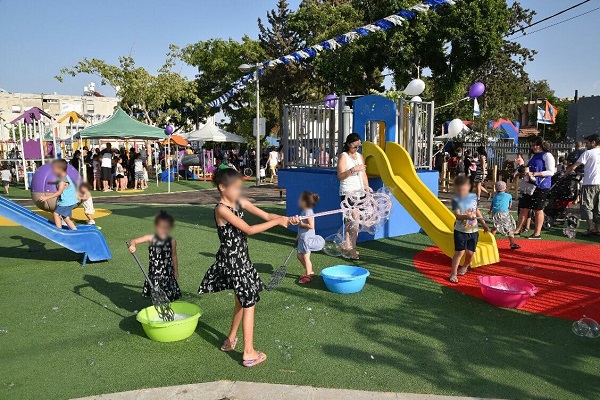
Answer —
65 211
465 241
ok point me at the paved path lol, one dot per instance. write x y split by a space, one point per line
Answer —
263 194
227 390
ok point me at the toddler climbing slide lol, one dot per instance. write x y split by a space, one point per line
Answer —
395 168
86 240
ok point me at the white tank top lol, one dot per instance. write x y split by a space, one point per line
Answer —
354 181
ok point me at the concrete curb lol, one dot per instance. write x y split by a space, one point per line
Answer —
227 390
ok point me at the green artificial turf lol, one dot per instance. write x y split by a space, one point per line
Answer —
69 331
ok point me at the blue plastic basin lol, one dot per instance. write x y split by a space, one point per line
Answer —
344 278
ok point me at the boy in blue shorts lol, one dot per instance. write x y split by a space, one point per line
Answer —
466 229
66 193
500 211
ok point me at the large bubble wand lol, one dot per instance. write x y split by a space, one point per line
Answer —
363 207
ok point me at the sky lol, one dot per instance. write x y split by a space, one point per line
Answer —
39 39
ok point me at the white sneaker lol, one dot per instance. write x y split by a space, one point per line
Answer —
91 222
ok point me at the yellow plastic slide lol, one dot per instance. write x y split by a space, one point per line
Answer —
397 171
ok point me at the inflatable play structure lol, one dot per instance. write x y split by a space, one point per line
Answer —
416 206
86 240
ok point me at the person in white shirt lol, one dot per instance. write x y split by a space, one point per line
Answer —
351 171
272 161
6 177
106 167
590 193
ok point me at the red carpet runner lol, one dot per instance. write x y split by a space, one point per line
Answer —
566 274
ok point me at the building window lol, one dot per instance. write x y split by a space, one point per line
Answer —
90 107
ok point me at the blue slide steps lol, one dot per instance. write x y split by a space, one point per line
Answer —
86 240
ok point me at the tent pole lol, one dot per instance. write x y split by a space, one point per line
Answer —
22 157
168 165
41 136
203 153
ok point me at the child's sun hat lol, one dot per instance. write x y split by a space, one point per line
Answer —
500 186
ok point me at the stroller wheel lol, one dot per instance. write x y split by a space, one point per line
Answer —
548 222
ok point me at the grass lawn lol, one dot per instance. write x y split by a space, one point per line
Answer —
70 331
19 192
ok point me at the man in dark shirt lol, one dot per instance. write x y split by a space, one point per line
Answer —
574 156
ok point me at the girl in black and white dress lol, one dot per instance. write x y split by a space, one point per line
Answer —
233 269
162 255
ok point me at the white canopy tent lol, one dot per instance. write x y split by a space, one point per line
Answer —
212 133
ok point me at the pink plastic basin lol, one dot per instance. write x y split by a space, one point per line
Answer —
506 291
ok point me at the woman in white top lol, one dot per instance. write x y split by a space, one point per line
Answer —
351 172
272 162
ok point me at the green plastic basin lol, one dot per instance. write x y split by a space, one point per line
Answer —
171 331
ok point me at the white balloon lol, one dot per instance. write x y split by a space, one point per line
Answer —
414 87
416 99
455 127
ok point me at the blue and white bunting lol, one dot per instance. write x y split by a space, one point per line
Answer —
312 51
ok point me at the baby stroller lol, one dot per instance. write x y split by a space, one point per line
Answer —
562 195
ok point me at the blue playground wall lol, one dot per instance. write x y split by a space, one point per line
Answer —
324 181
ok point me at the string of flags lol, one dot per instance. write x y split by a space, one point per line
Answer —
332 44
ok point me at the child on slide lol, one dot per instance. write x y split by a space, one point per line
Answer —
233 268
307 239
466 230
163 270
66 193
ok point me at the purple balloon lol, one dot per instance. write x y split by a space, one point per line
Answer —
169 130
476 90
331 100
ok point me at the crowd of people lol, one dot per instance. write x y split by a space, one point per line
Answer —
539 176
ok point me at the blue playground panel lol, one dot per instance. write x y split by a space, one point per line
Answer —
324 181
166 176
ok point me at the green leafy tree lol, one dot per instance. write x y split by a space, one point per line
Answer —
355 68
285 84
159 97
217 61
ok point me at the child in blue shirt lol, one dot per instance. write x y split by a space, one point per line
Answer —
466 229
66 193
500 211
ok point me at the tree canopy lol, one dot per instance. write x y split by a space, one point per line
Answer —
452 47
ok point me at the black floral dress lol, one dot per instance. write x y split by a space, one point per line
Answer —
233 268
160 271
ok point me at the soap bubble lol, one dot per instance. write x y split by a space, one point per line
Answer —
569 232
586 327
334 244
332 249
315 243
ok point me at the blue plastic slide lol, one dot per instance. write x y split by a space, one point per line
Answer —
86 240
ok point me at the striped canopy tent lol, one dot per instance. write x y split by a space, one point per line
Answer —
121 126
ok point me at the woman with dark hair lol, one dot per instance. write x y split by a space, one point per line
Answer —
76 160
480 173
351 172
541 167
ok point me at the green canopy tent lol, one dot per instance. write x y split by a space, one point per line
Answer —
121 126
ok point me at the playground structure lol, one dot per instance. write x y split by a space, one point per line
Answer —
86 240
376 120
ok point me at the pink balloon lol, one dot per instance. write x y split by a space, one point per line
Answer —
476 90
